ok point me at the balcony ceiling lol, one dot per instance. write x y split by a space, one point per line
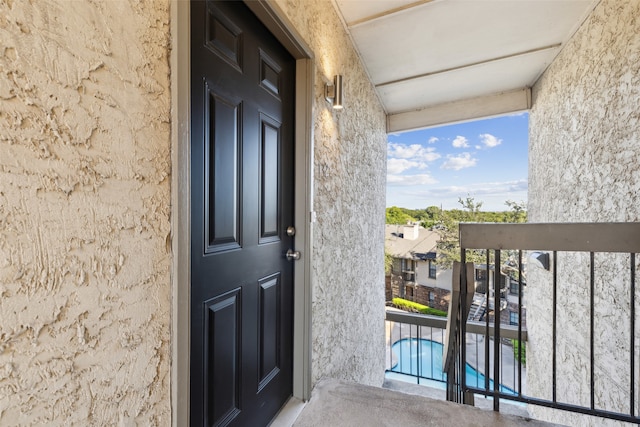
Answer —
442 61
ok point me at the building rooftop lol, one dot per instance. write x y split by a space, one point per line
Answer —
410 242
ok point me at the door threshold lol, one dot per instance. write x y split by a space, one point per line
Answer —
289 413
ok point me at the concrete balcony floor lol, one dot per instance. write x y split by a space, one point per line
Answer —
343 404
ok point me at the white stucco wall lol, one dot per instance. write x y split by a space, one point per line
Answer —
85 239
349 201
584 159
422 274
444 278
85 204
84 213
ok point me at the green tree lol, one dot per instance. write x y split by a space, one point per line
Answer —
518 211
445 222
470 206
430 216
388 262
449 244
433 212
396 215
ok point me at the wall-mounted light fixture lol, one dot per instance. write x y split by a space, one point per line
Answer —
333 92
540 259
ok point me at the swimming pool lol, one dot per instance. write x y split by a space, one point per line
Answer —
423 358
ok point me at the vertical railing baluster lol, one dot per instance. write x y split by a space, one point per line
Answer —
632 333
391 347
477 365
496 325
431 347
501 365
442 341
591 327
514 373
400 361
419 347
393 324
461 378
463 323
391 342
411 350
487 296
553 327
520 322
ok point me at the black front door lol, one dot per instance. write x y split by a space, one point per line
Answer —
242 91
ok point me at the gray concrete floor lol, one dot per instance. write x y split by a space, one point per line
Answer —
344 404
482 402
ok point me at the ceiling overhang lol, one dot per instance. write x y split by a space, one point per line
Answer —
434 62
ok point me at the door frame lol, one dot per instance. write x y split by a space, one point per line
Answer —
179 240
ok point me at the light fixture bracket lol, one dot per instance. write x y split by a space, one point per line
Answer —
540 259
333 92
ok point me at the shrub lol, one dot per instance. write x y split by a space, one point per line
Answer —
415 307
523 356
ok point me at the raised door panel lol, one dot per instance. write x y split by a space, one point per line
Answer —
224 354
270 328
223 172
270 182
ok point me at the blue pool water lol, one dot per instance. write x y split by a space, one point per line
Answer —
422 357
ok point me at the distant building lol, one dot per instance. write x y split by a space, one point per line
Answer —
509 288
414 276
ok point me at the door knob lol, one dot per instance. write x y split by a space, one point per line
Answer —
293 255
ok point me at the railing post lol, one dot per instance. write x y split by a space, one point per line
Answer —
632 333
463 327
451 355
497 276
519 322
468 285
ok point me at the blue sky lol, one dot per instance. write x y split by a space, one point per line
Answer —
485 159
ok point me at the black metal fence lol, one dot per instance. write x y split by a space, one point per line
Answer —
593 267
415 348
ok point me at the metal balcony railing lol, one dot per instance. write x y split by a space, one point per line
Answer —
595 261
415 349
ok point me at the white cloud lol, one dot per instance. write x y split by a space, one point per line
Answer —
395 166
415 152
484 188
519 114
461 161
433 140
405 180
460 142
489 140
492 194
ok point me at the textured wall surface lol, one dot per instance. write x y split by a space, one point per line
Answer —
349 191
84 213
584 162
